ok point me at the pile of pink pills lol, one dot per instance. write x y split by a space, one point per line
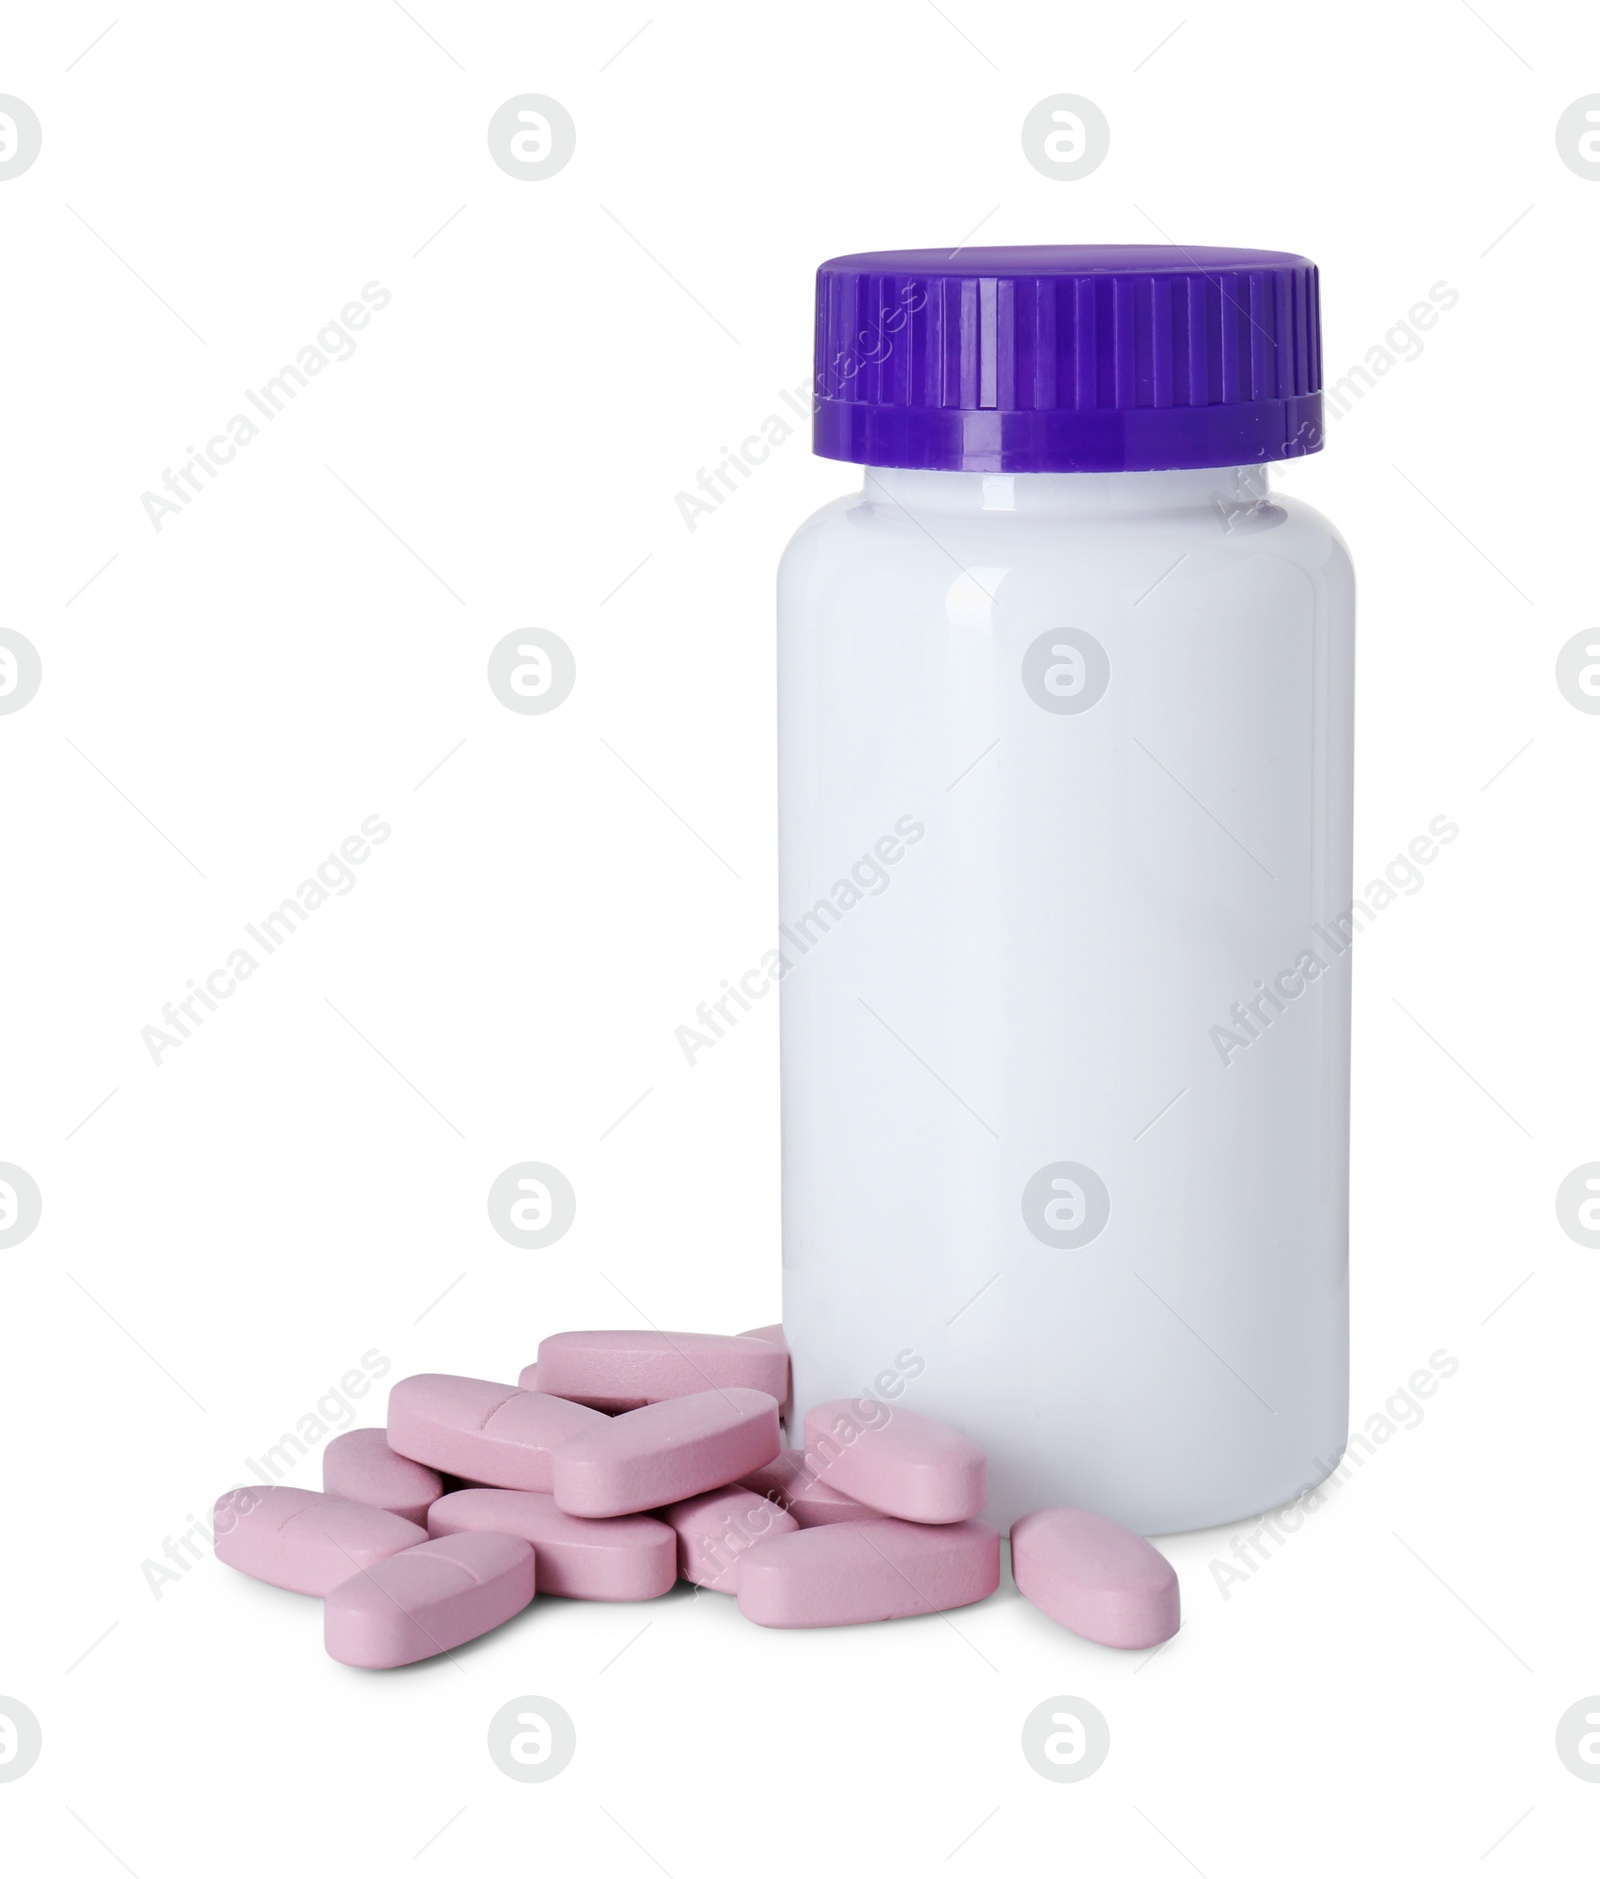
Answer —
622 1461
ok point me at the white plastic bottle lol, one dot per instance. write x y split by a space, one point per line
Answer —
1065 734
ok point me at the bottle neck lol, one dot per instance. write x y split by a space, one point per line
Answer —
1126 492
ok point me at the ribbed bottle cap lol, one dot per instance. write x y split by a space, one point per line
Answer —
1111 358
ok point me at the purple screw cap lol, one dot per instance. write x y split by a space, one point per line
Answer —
1110 358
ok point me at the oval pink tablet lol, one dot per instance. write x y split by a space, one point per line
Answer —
488 1432
303 1541
791 1481
619 1370
361 1466
773 1334
609 1405
665 1452
431 1599
896 1461
716 1530
769 1334
630 1557
1095 1577
861 1571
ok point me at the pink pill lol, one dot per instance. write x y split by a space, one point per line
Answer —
1094 1577
716 1530
769 1334
811 1498
861 1571
431 1599
773 1334
896 1461
306 1542
665 1452
627 1558
609 1405
619 1370
485 1432
361 1466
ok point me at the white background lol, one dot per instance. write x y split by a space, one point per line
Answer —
304 1179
